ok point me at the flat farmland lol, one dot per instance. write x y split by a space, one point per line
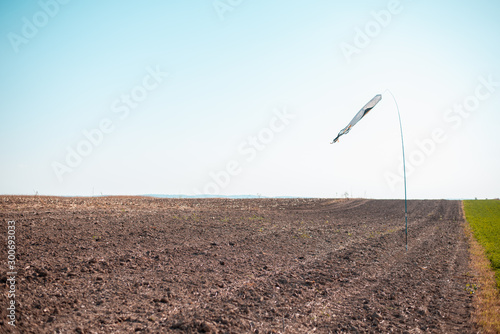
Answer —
124 264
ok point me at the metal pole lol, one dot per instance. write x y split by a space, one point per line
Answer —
404 169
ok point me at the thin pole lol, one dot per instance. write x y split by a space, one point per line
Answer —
404 169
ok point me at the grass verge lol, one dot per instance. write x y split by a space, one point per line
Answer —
484 219
481 231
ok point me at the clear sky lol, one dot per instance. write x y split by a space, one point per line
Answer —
231 97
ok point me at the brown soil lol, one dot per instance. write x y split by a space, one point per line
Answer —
122 264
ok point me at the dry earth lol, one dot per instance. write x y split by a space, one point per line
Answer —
124 264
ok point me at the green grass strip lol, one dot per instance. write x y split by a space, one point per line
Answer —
484 219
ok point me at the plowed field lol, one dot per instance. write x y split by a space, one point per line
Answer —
124 264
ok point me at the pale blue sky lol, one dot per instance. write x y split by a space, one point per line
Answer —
67 67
